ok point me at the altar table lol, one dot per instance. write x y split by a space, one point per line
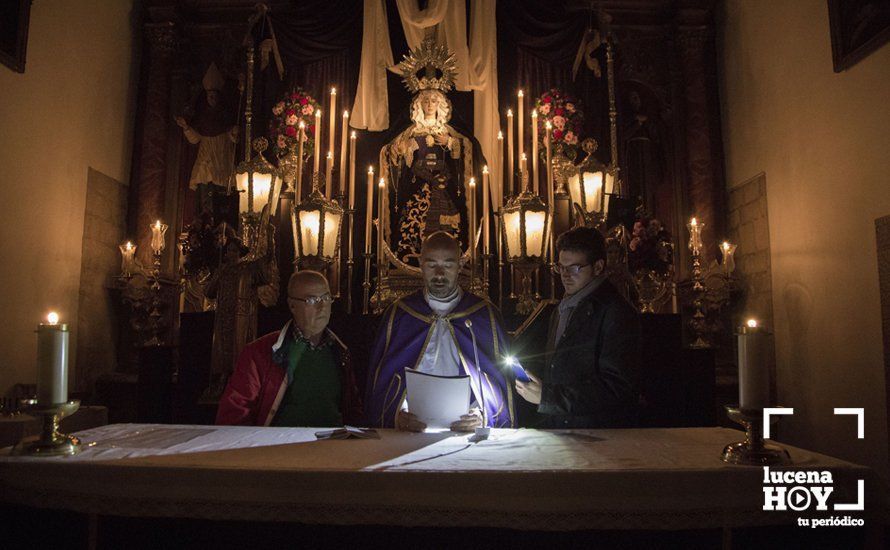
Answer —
517 479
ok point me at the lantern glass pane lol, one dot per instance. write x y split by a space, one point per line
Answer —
262 184
593 187
331 225
534 233
610 186
309 222
511 231
575 189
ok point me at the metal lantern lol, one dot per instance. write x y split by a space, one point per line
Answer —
526 229
590 185
316 224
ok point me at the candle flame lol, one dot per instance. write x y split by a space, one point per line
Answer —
333 91
548 125
534 113
330 155
520 94
370 169
472 182
509 112
725 245
129 245
485 169
752 323
302 125
157 224
318 113
345 114
500 134
352 135
524 156
52 318
693 222
382 183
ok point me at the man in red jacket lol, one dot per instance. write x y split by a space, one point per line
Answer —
298 376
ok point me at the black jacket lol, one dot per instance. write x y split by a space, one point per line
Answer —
590 375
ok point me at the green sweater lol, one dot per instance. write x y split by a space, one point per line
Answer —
313 393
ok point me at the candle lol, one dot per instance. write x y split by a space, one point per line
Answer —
509 152
158 230
500 158
52 361
333 113
472 238
728 250
486 189
520 129
328 174
523 164
695 235
317 153
128 260
369 210
352 172
535 150
301 137
753 371
548 127
343 142
380 220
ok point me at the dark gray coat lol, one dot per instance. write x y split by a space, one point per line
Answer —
590 375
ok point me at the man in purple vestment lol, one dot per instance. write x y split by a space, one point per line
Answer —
428 331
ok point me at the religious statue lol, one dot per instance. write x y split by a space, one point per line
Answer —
429 164
642 154
211 129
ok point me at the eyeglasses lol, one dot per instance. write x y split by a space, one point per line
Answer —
574 269
314 300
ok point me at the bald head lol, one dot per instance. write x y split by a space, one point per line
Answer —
300 280
440 241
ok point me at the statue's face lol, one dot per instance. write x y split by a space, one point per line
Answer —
429 103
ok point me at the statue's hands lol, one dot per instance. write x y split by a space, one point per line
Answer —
442 139
181 122
268 295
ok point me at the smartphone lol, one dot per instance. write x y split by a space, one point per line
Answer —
520 374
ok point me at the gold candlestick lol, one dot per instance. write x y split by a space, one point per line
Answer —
51 441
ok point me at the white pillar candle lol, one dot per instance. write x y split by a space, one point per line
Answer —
369 210
486 229
695 228
753 371
317 152
333 113
548 128
128 260
343 141
520 128
301 137
52 362
535 151
509 152
328 173
351 197
158 230
473 224
500 159
381 211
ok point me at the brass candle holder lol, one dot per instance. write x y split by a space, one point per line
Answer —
51 442
754 450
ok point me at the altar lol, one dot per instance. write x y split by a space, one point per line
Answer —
518 480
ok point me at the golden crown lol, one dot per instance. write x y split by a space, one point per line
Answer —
436 63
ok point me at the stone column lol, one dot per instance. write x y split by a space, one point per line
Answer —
150 155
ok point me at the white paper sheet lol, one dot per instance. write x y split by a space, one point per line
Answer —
437 401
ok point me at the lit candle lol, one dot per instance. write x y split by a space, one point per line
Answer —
548 127
520 128
523 164
728 250
472 237
753 371
486 189
380 220
695 235
369 210
52 361
509 152
352 142
301 137
500 158
158 230
535 150
128 260
333 113
317 153
343 142
328 173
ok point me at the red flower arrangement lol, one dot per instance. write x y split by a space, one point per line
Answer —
563 111
650 247
294 107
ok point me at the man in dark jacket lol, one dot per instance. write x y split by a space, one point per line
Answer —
588 375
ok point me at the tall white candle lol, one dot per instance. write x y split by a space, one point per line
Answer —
328 174
548 128
369 210
158 231
695 243
486 189
332 115
381 211
52 361
351 197
473 224
509 152
128 259
535 175
343 142
316 161
754 379
500 161
520 127
301 137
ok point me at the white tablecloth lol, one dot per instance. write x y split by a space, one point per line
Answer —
524 479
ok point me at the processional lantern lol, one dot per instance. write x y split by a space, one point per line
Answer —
526 230
316 224
590 186
258 184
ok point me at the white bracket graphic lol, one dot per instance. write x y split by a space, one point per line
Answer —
860 499
767 411
860 421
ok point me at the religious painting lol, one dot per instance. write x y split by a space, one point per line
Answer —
858 28
14 16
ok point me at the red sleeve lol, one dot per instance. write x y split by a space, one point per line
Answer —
240 400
